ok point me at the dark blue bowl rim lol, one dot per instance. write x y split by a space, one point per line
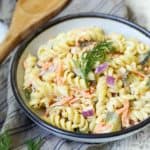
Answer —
32 115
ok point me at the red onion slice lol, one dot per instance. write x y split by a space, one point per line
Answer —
110 80
101 68
88 112
52 68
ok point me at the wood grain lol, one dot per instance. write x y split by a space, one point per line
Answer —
28 16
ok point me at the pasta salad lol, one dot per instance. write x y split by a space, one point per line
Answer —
88 81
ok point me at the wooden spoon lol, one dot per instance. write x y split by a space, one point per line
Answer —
28 15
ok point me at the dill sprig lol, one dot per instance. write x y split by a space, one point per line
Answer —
89 58
27 93
34 144
146 57
5 141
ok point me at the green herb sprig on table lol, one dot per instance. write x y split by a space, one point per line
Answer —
5 142
34 144
89 58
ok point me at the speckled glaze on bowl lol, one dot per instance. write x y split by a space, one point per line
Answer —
30 45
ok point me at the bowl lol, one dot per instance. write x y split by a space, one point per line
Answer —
107 22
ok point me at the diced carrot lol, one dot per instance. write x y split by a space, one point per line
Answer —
125 106
124 113
138 74
125 118
102 128
60 69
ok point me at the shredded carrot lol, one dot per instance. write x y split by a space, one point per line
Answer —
138 74
70 100
73 100
124 113
46 65
63 102
84 93
59 72
125 118
102 128
125 107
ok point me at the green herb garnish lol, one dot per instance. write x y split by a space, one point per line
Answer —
145 58
5 141
34 144
27 93
89 58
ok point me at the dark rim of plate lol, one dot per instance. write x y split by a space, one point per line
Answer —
41 122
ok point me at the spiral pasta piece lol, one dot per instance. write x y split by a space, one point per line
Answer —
74 81
90 34
68 119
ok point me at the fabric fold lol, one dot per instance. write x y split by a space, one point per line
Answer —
14 119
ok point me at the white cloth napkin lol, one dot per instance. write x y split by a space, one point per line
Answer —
139 11
21 128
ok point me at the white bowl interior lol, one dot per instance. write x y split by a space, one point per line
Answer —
107 25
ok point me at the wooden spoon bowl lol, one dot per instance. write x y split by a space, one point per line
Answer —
28 16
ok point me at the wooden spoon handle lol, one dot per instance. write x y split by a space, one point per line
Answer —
27 17
8 44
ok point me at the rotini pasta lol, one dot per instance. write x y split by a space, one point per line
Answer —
68 118
90 82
